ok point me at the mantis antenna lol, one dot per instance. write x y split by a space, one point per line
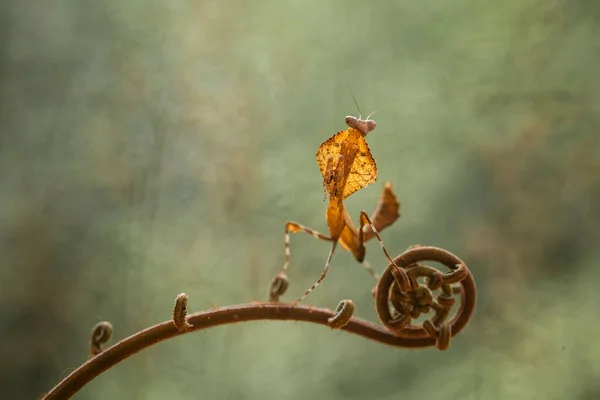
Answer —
381 108
354 98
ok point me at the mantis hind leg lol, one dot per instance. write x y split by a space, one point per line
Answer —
364 219
323 275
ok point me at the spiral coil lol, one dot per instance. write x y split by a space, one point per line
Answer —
399 303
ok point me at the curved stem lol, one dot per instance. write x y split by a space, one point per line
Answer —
220 316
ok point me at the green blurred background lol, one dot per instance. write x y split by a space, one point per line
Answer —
150 148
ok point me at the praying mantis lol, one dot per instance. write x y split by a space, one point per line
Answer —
347 165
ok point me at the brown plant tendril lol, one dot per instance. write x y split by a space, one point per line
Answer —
395 308
279 286
101 333
343 314
398 307
180 313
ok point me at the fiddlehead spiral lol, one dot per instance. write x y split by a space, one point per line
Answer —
397 307
101 333
180 313
343 314
279 286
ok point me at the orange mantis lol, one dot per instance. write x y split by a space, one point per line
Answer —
347 165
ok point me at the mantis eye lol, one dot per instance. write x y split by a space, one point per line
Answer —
371 125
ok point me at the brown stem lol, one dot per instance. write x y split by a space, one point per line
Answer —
221 316
397 330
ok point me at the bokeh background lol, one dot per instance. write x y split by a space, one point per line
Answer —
150 148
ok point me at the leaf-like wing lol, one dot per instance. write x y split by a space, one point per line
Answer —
350 147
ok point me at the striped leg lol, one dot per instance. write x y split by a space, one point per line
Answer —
323 275
293 227
405 282
364 219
